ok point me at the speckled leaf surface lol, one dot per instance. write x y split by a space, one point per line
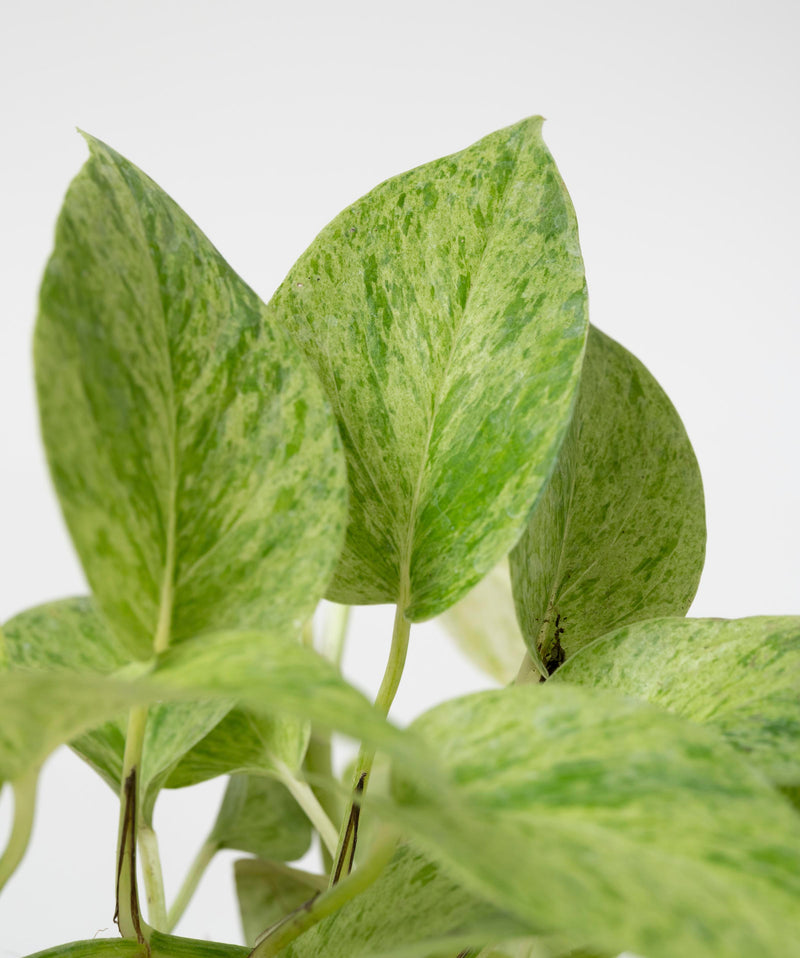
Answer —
267 891
445 313
739 676
483 624
70 636
619 534
258 815
243 741
195 458
628 827
409 909
270 674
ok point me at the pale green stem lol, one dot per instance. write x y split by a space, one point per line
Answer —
279 936
153 877
319 768
24 789
530 671
333 639
383 702
128 913
307 800
196 871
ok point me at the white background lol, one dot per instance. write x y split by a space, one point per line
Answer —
675 127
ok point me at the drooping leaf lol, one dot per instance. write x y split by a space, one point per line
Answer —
268 673
267 891
196 461
258 815
484 626
619 535
70 636
243 741
409 910
611 822
445 313
740 676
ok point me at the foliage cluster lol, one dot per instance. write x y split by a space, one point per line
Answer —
422 415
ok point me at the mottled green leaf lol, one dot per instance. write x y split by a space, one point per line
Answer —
267 891
445 313
268 673
408 910
243 741
619 534
70 636
161 946
741 677
612 822
484 626
258 815
196 461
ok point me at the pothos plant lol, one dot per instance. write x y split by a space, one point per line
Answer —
422 398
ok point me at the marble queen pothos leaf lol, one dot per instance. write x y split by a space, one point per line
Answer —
70 636
739 676
611 822
619 534
445 313
195 458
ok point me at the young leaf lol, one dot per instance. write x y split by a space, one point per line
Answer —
445 313
619 534
484 626
741 677
197 464
259 816
407 911
610 822
267 891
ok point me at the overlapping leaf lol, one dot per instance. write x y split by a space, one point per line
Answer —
611 822
69 636
619 534
445 313
267 891
409 910
741 677
196 461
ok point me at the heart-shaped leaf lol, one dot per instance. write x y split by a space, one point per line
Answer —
741 677
619 534
196 461
611 822
445 313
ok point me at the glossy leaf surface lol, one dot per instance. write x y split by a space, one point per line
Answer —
619 534
627 827
445 313
741 677
196 461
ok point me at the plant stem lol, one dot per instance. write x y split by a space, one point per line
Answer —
391 680
319 766
196 871
153 877
128 914
24 789
307 800
279 936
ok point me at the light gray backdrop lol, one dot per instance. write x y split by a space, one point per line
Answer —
675 128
